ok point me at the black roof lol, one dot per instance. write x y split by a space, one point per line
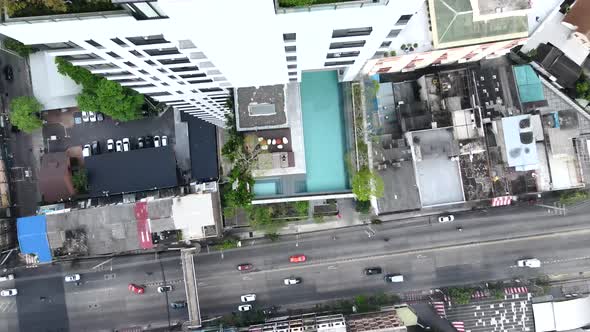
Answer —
203 148
558 64
131 171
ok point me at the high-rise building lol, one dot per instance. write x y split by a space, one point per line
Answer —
189 53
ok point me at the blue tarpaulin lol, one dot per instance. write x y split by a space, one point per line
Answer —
32 237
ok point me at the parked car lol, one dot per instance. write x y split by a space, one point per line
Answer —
118 145
8 292
292 281
95 147
140 143
85 116
92 116
126 146
99 116
394 278
8 73
446 218
178 305
136 289
110 145
245 307
373 270
164 289
164 140
529 262
244 267
149 142
7 277
156 141
72 278
86 151
248 298
77 118
297 258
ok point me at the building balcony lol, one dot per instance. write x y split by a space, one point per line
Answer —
76 10
297 6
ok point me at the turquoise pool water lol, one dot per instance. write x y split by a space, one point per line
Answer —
323 132
266 188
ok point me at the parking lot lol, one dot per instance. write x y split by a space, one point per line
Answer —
60 131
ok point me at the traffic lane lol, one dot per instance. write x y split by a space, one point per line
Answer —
350 244
435 268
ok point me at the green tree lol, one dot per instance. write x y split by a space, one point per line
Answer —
302 208
461 295
80 75
113 100
583 89
366 184
80 181
24 113
18 47
261 218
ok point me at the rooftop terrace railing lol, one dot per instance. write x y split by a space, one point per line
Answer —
63 17
336 4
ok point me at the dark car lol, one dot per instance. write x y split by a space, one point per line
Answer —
178 305
140 143
149 142
8 73
99 116
95 147
373 270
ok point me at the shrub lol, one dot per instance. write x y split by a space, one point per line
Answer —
362 206
24 113
573 196
80 181
18 47
366 184
228 244
461 295
272 236
302 208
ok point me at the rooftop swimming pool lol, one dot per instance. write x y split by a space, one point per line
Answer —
323 132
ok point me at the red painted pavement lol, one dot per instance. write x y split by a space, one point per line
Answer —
144 233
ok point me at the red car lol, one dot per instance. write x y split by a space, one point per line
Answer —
244 267
297 258
136 289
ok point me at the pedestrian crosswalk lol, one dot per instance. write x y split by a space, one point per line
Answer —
414 296
439 307
459 326
8 306
515 290
478 294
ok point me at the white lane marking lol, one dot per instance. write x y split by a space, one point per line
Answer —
332 267
246 278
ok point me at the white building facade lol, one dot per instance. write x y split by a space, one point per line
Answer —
189 54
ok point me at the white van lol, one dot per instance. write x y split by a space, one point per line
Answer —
394 278
7 277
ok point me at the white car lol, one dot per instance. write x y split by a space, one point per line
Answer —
447 218
92 116
110 145
8 292
125 144
394 278
531 262
118 146
245 307
164 289
292 281
86 151
164 140
7 277
72 277
156 141
85 116
248 298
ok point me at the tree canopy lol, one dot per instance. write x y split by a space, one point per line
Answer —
24 113
366 184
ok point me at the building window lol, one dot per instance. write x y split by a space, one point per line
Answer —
118 42
162 51
144 72
290 49
292 73
210 90
338 63
59 46
130 64
394 33
352 32
359 43
74 57
179 69
404 19
293 79
193 75
342 54
114 55
145 10
147 40
200 81
291 58
385 44
174 61
289 36
292 66
93 43
136 53
150 62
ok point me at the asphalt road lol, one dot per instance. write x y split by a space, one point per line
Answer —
429 255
